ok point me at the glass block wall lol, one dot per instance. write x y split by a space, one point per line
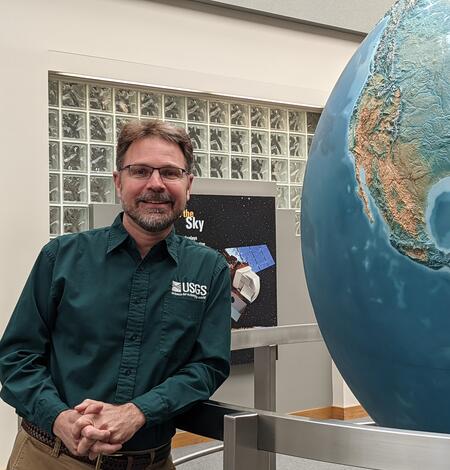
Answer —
232 138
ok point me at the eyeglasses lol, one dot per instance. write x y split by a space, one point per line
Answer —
145 172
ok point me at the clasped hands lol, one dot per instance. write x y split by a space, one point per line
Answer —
94 427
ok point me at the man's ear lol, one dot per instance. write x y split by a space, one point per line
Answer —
117 182
188 190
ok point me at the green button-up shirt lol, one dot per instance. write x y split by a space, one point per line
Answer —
97 321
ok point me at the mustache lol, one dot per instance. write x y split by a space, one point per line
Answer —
154 197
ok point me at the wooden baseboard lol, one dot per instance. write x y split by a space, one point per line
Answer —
183 438
334 412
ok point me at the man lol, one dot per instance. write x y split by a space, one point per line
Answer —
119 329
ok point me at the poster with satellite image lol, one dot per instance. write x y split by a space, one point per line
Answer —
242 228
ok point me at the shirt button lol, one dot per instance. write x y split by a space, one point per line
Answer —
128 372
133 338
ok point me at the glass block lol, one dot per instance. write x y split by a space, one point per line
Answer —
102 158
260 169
180 124
120 122
297 171
199 137
297 121
75 219
126 100
218 112
75 188
239 114
196 110
101 127
311 122
218 139
53 93
100 98
53 155
151 104
278 119
278 144
260 142
74 125
239 140
282 197
259 116
219 166
55 221
279 170
297 146
74 157
297 224
53 188
53 124
240 168
174 107
73 95
296 196
200 165
102 189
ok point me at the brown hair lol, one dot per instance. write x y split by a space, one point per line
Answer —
135 130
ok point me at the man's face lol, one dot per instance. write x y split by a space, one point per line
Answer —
153 204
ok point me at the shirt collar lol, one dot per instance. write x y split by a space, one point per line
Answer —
118 234
172 245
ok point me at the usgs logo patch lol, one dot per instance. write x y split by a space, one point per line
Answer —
189 289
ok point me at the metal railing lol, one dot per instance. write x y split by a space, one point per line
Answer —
252 436
264 341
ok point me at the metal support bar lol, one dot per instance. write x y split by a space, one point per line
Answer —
329 441
265 378
268 335
353 445
265 391
197 455
240 442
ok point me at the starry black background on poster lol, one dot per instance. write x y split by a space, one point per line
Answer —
234 221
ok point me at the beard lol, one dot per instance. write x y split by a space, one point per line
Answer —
152 220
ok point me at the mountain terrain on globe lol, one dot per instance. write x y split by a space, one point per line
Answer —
400 129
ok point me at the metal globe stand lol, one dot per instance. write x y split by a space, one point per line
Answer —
252 436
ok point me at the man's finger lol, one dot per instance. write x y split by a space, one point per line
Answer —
93 408
103 448
81 408
84 446
79 424
95 434
83 404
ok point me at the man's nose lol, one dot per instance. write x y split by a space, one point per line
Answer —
155 182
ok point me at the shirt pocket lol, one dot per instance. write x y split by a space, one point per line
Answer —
180 324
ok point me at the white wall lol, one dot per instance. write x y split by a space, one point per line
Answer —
133 40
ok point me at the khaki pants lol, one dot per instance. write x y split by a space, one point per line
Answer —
30 454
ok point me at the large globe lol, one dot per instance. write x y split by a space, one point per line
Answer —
376 219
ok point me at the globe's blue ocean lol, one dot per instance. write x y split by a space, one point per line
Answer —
384 316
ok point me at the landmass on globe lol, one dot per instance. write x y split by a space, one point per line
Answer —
399 134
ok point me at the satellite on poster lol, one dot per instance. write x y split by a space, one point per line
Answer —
242 228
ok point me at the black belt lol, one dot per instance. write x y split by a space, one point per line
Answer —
139 460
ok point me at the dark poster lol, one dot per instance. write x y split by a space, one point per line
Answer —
242 228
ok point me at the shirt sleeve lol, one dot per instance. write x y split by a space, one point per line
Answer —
25 346
209 364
